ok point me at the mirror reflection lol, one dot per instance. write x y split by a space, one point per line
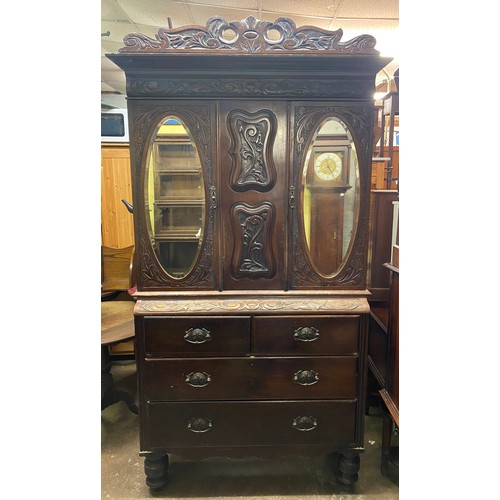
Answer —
330 197
175 197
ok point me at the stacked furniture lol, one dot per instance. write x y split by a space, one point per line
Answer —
251 147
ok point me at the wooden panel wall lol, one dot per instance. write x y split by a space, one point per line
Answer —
117 224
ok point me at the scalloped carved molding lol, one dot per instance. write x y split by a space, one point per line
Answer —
249 35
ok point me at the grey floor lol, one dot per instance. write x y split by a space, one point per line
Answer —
122 474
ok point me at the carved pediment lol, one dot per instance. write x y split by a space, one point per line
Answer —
250 35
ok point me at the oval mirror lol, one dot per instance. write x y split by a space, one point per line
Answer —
330 197
175 197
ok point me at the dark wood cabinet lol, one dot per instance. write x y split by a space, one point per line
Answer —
252 313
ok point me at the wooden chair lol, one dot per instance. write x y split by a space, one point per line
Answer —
117 316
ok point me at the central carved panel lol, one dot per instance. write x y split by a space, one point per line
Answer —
252 139
252 229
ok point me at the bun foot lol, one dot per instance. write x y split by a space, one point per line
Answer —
156 469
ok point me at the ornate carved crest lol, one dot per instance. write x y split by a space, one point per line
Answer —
248 36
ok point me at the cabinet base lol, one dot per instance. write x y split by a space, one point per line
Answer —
156 464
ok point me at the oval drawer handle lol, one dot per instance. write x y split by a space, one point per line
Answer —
304 424
306 334
306 377
199 424
198 379
197 335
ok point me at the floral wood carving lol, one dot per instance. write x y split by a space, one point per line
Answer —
249 35
270 305
252 229
245 87
252 139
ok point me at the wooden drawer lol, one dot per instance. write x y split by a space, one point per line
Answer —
178 425
315 335
250 378
195 335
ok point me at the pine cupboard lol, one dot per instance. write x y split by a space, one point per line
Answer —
250 141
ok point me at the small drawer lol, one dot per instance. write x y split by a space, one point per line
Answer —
195 335
247 423
315 335
199 379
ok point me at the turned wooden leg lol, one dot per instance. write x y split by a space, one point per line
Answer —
156 469
348 467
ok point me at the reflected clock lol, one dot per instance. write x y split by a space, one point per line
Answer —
328 166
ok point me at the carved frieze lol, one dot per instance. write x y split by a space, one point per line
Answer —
252 138
249 35
264 305
262 87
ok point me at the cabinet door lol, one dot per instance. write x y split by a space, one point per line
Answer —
331 180
174 149
253 194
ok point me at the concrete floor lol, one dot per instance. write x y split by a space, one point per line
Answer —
122 470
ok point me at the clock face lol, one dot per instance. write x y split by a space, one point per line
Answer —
328 166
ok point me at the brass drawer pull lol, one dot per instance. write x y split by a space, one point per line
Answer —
306 334
304 424
198 379
306 377
199 424
197 335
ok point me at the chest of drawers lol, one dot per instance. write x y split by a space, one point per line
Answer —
278 376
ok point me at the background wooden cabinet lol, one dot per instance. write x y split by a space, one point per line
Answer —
117 224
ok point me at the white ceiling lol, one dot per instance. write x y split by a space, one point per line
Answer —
379 18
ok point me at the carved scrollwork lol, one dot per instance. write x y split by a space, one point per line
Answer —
252 228
207 87
249 35
252 138
282 305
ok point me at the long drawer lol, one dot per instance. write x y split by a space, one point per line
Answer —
302 335
250 423
250 378
197 335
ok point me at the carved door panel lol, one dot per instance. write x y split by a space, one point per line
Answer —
253 194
